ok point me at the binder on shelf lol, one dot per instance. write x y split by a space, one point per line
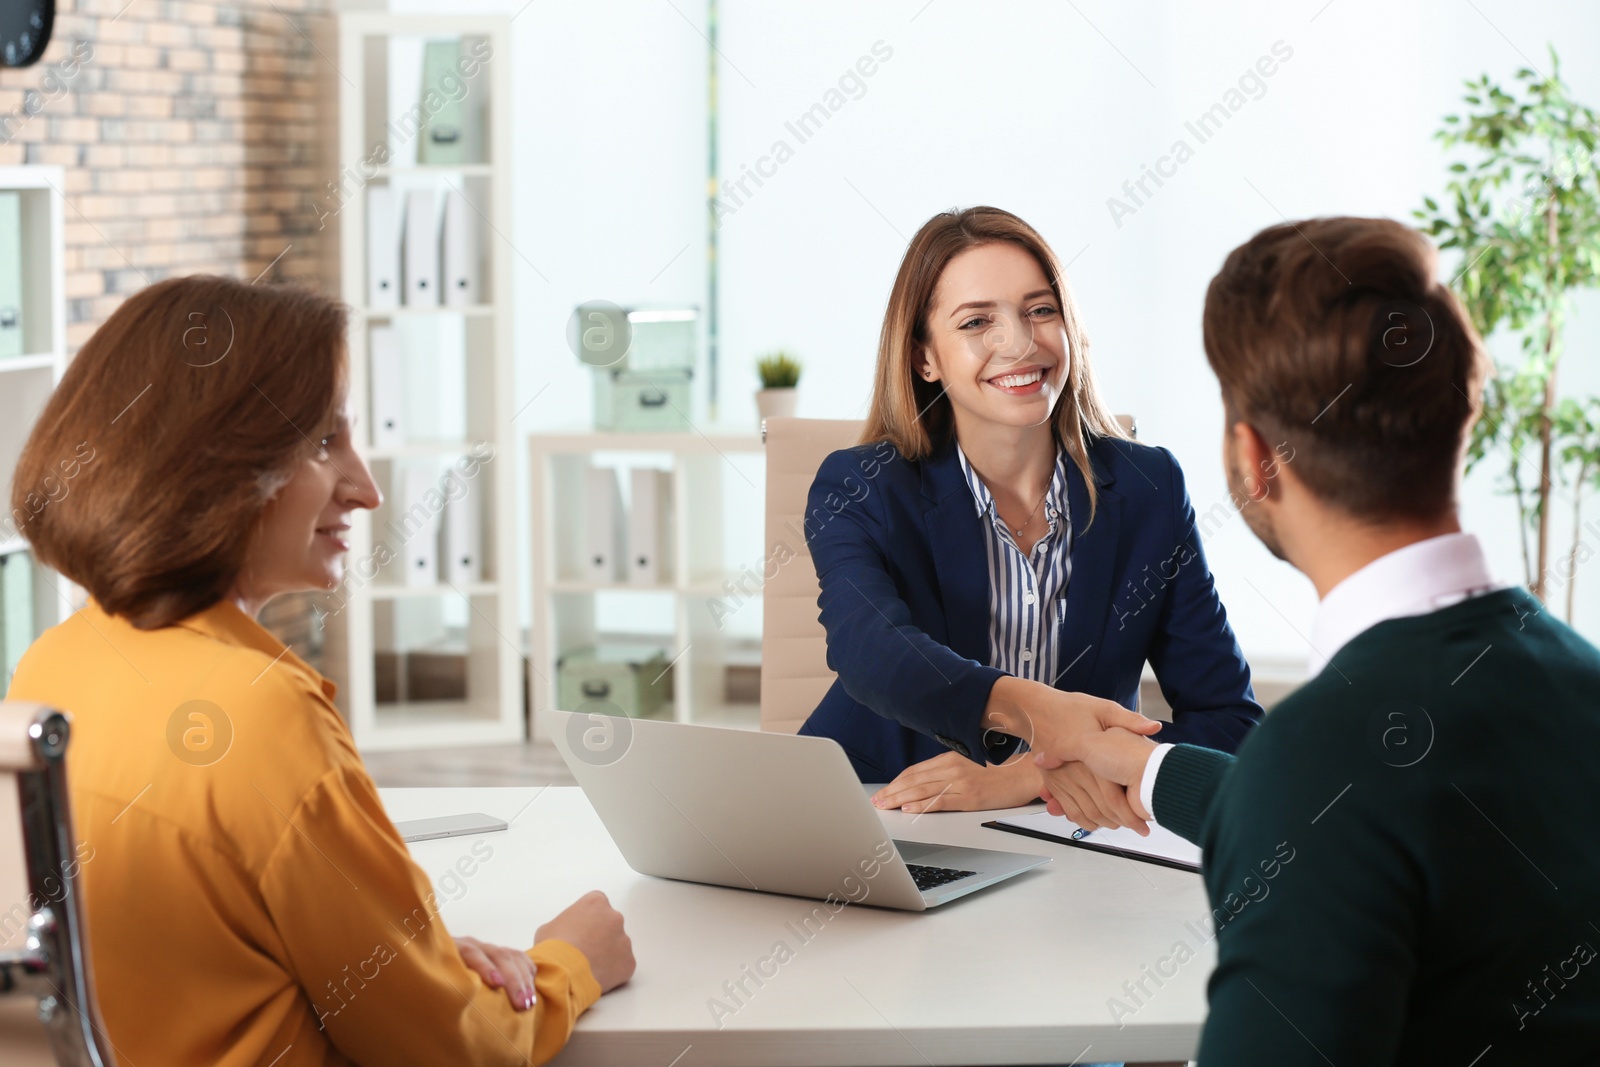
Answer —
463 539
10 275
420 524
649 520
458 252
383 248
421 249
603 533
16 609
388 388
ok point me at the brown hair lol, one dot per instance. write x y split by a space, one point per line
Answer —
195 400
914 415
1333 335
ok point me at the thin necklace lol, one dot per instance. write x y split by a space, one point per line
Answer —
1031 514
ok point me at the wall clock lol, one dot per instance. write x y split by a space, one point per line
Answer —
24 30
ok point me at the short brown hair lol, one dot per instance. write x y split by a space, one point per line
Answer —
1334 336
196 399
914 415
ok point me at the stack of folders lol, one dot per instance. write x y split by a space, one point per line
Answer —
10 275
16 610
422 250
439 525
632 544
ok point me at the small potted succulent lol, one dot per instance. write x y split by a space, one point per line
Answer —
780 373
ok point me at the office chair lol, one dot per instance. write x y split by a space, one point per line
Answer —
794 647
44 956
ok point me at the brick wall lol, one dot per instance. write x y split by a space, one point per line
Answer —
193 136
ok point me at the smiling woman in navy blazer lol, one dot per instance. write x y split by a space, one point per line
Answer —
997 546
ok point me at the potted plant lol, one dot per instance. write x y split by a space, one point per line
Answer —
1524 211
780 373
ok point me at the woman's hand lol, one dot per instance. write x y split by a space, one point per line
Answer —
1054 722
952 782
501 968
593 927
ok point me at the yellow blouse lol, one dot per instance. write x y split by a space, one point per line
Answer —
248 900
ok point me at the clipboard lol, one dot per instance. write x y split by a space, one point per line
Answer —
1162 848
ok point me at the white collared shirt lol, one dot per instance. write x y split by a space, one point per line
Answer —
1419 579
1027 591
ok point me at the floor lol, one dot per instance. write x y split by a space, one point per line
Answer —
521 764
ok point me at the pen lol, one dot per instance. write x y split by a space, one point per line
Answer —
1079 834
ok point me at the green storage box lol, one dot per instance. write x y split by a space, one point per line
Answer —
633 679
662 339
641 401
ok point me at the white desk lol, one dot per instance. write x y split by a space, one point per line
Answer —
1028 971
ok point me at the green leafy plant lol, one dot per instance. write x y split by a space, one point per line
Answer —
778 370
1524 211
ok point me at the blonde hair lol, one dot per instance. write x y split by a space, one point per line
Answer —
915 415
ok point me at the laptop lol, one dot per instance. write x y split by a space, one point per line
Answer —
776 813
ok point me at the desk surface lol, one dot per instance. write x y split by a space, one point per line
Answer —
1088 958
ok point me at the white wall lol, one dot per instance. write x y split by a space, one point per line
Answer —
1039 107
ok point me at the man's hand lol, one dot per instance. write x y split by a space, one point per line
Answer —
1113 759
1093 803
594 928
952 782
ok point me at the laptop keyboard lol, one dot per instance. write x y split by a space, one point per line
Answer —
932 877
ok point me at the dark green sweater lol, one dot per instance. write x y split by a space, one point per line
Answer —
1404 859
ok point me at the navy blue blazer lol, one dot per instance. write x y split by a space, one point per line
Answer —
905 602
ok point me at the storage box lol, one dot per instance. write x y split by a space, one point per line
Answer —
630 678
741 683
420 674
662 339
641 401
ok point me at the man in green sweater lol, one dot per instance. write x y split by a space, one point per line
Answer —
1406 852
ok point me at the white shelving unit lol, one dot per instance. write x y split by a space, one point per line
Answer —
27 381
712 475
459 379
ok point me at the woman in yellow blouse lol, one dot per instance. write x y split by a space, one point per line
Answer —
249 902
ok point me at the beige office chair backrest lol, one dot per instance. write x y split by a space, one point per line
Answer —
48 1013
794 647
794 650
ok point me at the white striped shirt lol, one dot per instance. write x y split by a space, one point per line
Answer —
1027 593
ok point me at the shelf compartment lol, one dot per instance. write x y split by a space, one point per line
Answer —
452 202
399 92
431 382
414 531
22 398
436 657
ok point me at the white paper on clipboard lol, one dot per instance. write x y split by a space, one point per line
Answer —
1162 846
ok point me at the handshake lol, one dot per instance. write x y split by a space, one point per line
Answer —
1091 752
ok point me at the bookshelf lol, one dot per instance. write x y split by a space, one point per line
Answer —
439 663
704 613
26 381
